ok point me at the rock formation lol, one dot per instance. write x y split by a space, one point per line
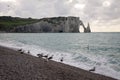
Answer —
88 28
55 24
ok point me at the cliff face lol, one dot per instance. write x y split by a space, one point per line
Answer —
55 24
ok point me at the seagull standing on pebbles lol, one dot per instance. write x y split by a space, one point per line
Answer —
40 55
28 52
93 69
49 58
61 59
20 50
46 56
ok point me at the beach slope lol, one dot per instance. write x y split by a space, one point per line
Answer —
17 66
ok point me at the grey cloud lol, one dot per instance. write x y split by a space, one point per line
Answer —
42 8
61 8
35 8
6 7
113 11
93 10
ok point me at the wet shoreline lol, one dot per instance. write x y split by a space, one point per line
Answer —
14 65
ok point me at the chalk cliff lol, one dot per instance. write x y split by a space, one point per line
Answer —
55 24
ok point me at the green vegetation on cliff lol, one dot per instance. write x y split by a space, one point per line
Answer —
7 22
54 20
43 25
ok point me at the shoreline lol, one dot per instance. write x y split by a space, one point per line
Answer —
25 67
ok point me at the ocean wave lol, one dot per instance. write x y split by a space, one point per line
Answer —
81 60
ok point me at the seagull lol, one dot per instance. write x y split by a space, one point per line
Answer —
28 52
40 55
50 57
61 59
93 69
20 50
46 56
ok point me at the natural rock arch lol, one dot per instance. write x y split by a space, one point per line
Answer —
86 29
54 25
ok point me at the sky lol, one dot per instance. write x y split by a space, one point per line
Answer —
103 15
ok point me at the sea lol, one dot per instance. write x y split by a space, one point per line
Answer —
83 50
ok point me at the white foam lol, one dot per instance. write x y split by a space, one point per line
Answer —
102 67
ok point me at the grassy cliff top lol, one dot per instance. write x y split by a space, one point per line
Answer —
8 22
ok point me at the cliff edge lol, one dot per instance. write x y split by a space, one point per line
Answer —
45 25
55 24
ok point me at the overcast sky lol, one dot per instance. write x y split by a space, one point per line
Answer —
103 15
